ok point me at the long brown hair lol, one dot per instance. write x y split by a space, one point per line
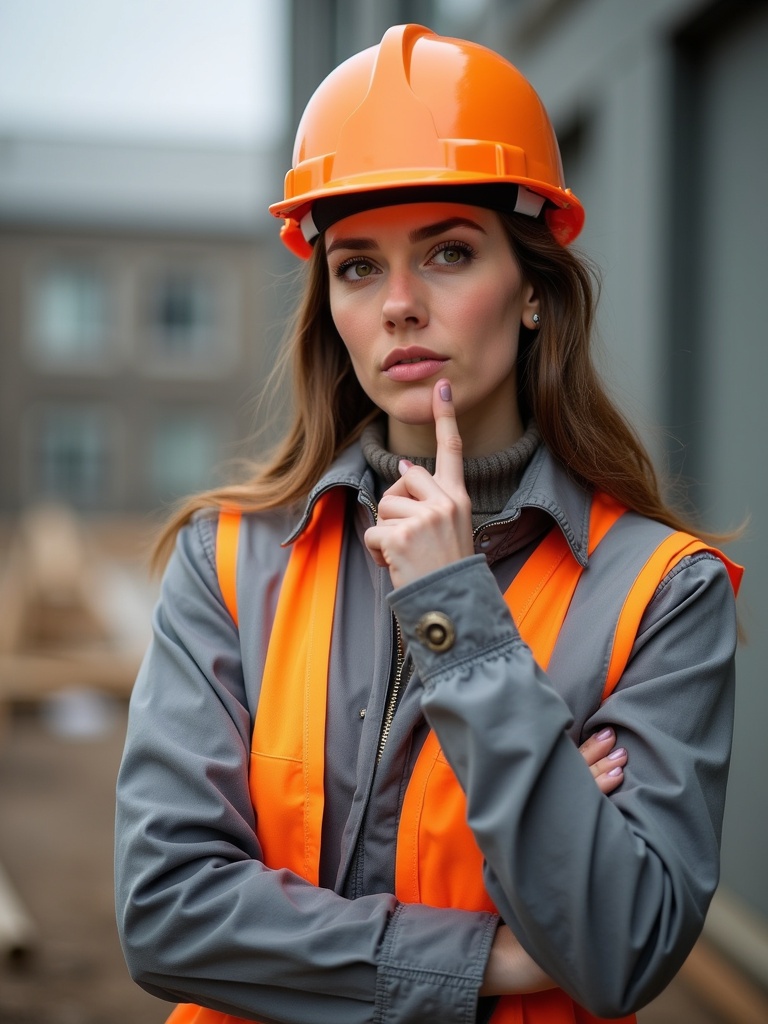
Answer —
558 386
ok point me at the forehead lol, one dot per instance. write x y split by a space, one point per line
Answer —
409 217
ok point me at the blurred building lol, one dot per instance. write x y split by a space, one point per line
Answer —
136 305
660 109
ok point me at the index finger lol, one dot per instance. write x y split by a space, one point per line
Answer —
449 464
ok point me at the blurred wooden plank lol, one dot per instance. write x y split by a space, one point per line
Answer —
740 932
31 677
48 597
18 933
723 987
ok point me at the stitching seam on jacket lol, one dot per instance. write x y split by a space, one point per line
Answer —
496 651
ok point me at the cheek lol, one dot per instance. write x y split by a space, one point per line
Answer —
342 321
488 310
337 311
349 319
352 332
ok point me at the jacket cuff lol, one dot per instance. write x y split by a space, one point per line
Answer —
432 964
450 615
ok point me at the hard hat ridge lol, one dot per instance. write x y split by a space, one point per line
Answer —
423 110
403 123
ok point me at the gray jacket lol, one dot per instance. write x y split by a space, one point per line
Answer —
608 894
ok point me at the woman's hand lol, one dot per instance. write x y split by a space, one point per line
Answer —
605 762
425 521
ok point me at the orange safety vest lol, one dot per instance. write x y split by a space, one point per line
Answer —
438 861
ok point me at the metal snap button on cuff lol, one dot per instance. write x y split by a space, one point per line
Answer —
436 631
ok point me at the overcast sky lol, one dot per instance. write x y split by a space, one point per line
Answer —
181 70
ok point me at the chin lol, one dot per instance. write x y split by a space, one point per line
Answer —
412 414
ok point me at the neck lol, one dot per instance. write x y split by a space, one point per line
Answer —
481 435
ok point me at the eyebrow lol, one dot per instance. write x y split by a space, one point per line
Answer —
417 235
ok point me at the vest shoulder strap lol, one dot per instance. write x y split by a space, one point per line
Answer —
227 539
540 595
659 564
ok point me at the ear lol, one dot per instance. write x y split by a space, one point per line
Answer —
531 306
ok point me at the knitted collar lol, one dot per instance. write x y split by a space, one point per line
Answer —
490 479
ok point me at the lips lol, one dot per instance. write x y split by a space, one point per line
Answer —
411 365
407 356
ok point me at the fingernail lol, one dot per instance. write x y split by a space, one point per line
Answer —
616 754
404 465
445 392
604 734
615 771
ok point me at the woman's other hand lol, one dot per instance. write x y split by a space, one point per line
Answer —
605 762
425 521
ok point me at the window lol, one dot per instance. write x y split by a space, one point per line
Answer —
185 449
184 333
189 317
182 315
69 326
69 455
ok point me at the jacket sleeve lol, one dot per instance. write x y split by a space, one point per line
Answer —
607 894
201 919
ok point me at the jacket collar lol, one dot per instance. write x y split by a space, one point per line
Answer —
348 470
545 485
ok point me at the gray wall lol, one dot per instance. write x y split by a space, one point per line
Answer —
729 424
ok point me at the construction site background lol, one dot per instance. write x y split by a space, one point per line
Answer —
75 605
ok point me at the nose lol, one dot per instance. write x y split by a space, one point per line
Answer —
404 305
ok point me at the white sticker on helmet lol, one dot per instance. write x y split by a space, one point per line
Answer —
528 203
308 228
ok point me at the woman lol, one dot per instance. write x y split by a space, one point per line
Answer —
352 788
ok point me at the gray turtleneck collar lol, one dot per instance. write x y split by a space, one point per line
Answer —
490 479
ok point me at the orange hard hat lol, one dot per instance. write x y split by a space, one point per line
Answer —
424 110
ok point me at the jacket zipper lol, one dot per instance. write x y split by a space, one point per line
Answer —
496 522
369 504
394 692
400 678
400 674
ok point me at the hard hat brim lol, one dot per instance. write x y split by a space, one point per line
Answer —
563 213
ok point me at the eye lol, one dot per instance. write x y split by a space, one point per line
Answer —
451 254
355 269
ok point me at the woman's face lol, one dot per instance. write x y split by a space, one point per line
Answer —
430 290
